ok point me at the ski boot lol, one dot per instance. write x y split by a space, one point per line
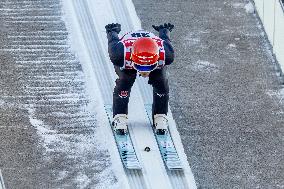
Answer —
161 124
119 124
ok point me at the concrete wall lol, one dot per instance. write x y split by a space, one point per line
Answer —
271 13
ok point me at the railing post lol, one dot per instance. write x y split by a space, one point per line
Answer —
274 13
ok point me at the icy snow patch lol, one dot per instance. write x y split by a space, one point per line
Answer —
2 102
249 8
238 5
191 40
62 175
281 95
277 94
47 135
201 65
232 45
82 180
74 146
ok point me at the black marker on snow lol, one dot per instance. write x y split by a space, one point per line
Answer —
147 149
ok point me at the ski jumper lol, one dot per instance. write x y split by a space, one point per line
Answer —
120 55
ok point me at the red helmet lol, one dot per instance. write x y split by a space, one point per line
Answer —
145 54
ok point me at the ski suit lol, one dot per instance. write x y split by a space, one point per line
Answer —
120 55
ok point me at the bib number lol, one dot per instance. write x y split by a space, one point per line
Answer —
140 35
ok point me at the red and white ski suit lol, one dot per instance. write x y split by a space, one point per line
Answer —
120 55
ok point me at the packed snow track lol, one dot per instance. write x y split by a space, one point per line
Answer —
87 20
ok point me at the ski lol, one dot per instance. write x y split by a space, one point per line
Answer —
166 145
124 145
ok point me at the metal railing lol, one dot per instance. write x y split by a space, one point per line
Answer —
282 4
271 14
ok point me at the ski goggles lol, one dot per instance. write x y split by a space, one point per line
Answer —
145 68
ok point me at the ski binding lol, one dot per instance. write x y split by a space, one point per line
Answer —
124 145
166 145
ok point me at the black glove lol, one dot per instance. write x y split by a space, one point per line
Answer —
168 26
113 27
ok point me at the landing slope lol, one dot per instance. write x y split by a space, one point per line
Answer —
224 92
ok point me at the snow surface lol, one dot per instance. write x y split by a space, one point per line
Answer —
103 134
78 144
206 66
74 144
279 94
249 7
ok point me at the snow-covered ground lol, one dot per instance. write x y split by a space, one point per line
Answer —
219 83
55 80
50 130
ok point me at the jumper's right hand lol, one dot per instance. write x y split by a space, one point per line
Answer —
113 27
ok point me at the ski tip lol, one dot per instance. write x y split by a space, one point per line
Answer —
174 166
133 167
